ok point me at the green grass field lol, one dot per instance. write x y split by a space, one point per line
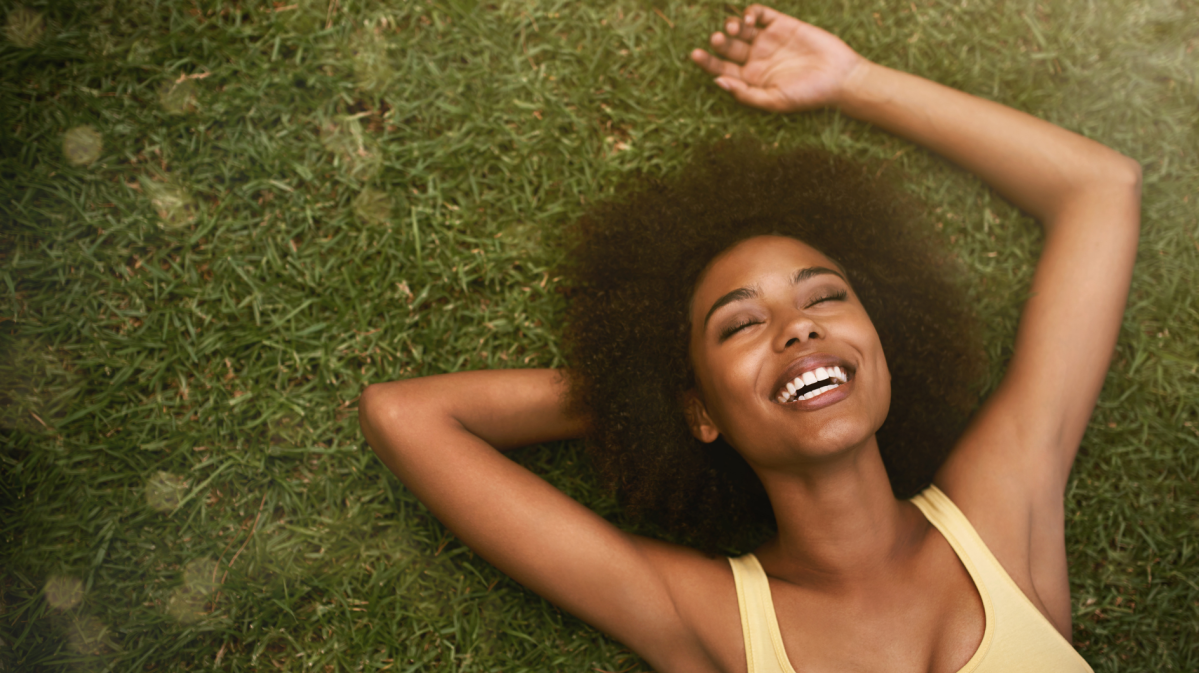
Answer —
221 220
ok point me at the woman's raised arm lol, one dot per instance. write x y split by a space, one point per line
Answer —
442 436
1086 196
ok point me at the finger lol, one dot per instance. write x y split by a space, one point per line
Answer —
739 29
760 16
749 95
713 65
730 48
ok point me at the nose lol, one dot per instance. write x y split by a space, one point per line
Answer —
796 330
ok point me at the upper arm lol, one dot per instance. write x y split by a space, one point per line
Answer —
517 521
1009 470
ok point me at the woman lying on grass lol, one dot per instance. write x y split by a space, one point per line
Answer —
727 345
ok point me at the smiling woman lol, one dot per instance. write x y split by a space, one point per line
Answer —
710 313
737 387
637 263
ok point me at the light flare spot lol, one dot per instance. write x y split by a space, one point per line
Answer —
201 575
175 207
352 149
178 97
164 491
373 72
82 145
373 206
63 593
25 26
37 386
188 602
87 635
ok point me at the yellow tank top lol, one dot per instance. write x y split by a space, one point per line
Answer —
1017 637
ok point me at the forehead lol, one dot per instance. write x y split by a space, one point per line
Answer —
750 262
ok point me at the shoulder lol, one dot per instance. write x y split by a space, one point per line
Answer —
705 598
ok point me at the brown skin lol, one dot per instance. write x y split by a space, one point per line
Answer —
859 579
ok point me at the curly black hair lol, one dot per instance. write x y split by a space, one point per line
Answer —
633 265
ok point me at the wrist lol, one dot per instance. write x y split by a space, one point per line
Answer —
854 96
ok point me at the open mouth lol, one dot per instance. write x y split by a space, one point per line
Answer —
813 383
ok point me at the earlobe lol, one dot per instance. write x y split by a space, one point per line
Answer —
698 420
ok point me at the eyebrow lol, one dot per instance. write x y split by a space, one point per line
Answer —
743 293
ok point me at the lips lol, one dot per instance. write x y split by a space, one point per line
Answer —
812 378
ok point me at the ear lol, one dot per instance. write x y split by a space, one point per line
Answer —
698 419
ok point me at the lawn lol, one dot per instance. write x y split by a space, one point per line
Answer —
221 220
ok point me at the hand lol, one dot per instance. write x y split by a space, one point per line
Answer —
774 62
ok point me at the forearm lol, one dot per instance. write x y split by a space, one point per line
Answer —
505 408
1043 169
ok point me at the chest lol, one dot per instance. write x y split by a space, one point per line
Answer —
926 616
933 626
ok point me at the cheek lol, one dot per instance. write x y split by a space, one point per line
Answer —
859 331
728 389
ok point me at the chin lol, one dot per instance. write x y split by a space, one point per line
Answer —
829 443
831 446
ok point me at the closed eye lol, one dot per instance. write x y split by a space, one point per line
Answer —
839 295
735 327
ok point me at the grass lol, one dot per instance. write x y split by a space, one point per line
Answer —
292 200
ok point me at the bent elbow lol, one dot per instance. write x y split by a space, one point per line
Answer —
390 414
1116 185
1129 175
379 407
1113 173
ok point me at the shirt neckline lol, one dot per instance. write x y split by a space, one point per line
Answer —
921 501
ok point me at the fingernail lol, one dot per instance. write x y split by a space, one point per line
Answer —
722 83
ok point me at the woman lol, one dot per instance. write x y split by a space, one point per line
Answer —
788 369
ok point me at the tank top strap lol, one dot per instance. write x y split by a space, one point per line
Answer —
946 517
764 652
1017 636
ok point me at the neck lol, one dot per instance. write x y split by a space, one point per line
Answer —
838 522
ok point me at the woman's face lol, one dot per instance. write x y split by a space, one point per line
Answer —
773 311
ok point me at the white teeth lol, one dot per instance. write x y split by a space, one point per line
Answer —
834 375
786 397
822 391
